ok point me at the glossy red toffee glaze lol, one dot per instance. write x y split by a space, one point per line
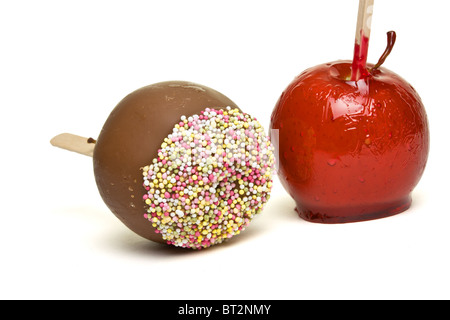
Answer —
360 53
349 151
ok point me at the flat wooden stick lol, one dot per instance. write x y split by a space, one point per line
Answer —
74 143
362 39
364 21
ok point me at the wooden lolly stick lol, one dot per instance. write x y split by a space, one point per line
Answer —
74 143
364 21
362 39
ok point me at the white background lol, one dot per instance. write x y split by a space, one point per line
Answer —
65 64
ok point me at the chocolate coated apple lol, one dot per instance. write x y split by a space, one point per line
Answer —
179 163
350 150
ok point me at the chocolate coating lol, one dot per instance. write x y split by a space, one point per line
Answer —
131 137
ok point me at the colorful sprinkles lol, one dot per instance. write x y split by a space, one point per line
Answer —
212 175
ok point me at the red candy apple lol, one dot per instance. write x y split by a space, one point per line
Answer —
350 150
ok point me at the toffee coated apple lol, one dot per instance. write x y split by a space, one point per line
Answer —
350 150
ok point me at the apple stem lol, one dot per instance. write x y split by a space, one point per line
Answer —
391 37
361 48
